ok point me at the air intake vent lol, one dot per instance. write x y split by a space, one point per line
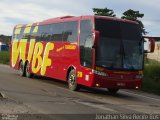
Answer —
66 17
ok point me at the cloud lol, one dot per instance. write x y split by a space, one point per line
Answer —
24 13
29 11
153 27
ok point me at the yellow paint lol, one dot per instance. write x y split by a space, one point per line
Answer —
70 47
79 74
99 69
32 44
18 26
28 28
46 61
60 49
17 31
37 57
31 48
35 29
40 61
121 72
18 49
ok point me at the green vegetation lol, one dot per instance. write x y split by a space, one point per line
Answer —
104 12
5 39
128 14
134 16
4 57
151 82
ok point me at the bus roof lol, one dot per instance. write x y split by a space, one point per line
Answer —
68 18
72 18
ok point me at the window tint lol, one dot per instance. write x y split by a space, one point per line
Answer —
108 28
32 34
56 32
26 35
21 33
19 36
86 43
70 31
66 31
43 33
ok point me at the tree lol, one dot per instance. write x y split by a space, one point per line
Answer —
104 12
134 16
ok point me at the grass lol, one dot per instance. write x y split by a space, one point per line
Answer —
151 82
4 57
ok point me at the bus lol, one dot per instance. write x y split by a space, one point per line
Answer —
92 51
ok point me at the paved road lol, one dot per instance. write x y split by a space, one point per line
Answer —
41 95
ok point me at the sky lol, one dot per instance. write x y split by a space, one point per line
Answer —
14 12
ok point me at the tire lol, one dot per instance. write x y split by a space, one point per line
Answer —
112 91
21 69
27 71
72 83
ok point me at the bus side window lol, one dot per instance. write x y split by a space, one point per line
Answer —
70 31
32 34
56 32
86 43
43 33
18 36
45 36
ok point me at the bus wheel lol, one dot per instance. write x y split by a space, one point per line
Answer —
72 83
27 70
21 69
112 91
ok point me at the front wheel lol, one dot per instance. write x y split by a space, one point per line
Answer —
72 83
112 91
27 70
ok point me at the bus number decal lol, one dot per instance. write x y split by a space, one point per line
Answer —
79 74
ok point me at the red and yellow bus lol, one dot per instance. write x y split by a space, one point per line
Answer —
91 51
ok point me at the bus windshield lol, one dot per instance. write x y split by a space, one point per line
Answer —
120 45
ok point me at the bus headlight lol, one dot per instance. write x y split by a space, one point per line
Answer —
99 73
139 76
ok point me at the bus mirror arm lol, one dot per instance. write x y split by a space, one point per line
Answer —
151 44
95 38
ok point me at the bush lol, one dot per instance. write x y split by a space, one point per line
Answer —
4 57
151 82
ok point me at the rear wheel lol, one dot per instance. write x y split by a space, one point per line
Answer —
112 91
72 83
27 70
21 69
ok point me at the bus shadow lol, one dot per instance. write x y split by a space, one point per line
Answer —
53 81
102 92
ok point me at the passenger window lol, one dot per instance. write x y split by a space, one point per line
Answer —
56 32
19 36
70 31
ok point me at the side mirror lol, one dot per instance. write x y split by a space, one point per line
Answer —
149 44
95 37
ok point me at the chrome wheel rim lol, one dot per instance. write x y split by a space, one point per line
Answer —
21 68
72 80
27 69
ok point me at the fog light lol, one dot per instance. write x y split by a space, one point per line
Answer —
137 87
97 85
87 77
